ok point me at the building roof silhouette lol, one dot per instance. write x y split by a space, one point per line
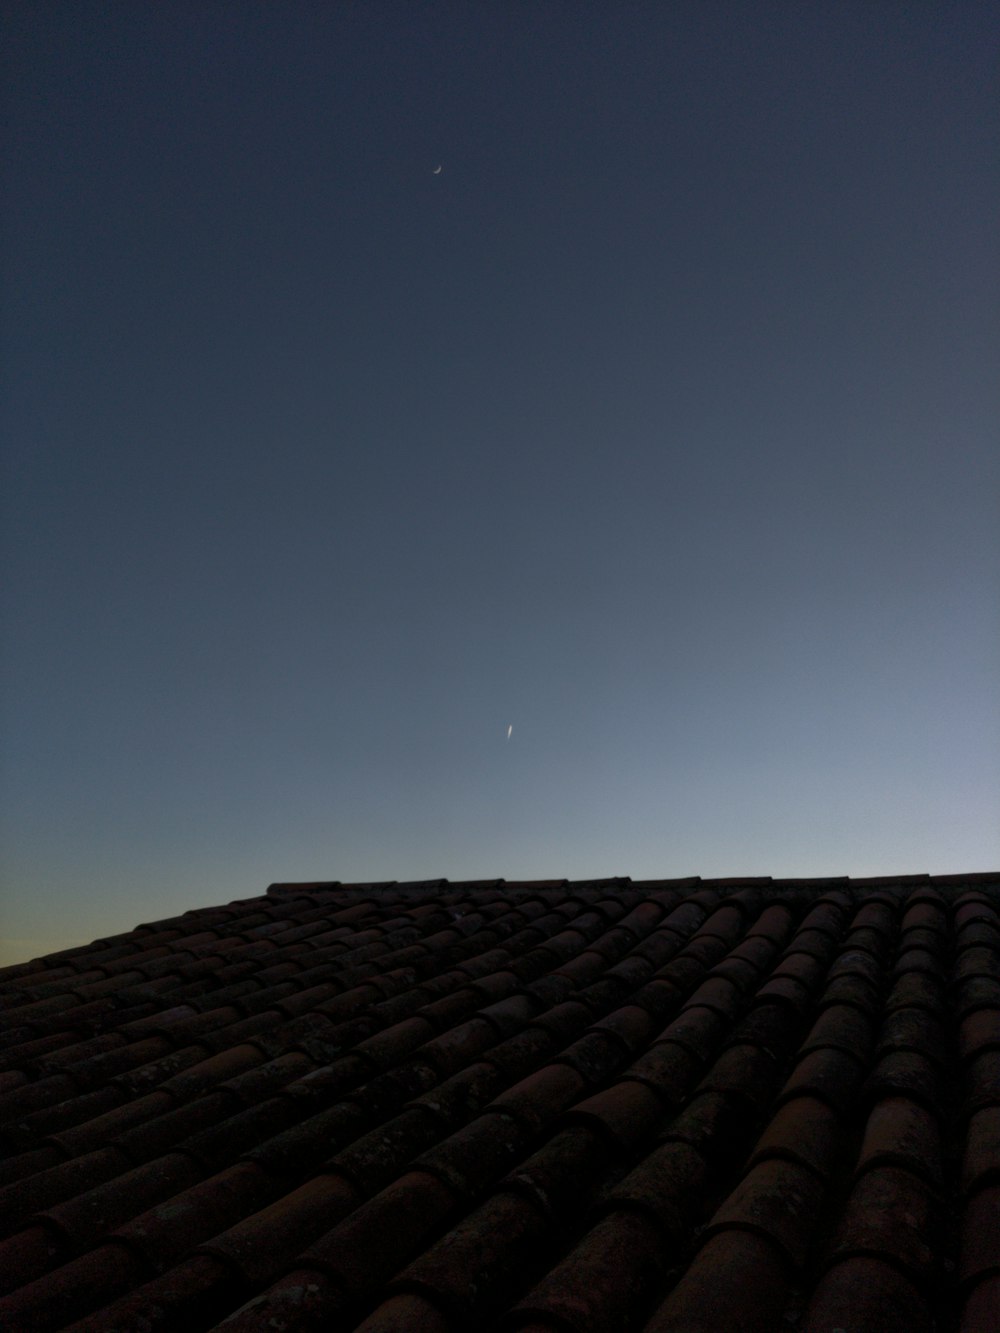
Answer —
553 1107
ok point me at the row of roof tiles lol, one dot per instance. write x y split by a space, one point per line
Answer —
549 1106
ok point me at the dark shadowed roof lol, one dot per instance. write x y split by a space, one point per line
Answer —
555 1107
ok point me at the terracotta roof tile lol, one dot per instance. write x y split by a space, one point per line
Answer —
926 913
775 1028
828 1073
867 1293
594 1056
902 1132
760 948
306 1298
28 1255
905 1073
626 1113
36 1096
920 989
377 1238
982 1079
983 930
372 1160
669 1070
87 1217
567 1106
890 1213
483 1261
198 1290
805 1130
252 1085
981 1159
980 1235
307 1143
658 948
980 1306
979 1031
20 1200
741 972
780 1199
456 1099
975 993
697 1029
520 1054
745 1072
738 1280
914 1030
537 1099
670 1184
266 1242
76 1288
605 1283
858 963
719 994
717 1125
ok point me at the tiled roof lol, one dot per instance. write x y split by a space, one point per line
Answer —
553 1107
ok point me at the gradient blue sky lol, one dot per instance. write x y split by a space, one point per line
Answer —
662 424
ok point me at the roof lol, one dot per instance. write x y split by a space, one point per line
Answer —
553 1107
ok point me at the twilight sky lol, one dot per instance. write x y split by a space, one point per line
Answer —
661 425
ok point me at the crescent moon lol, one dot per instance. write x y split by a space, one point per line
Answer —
436 171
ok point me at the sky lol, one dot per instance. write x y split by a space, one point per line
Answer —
379 378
